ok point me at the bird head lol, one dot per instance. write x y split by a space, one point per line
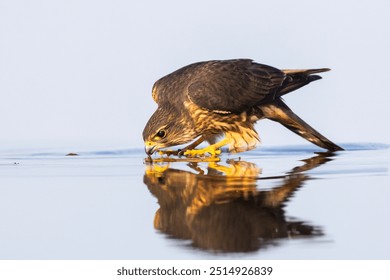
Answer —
167 127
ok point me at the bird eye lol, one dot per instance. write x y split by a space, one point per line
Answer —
161 133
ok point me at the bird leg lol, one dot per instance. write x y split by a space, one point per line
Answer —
192 146
213 150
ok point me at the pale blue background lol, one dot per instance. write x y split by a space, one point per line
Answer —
81 72
76 76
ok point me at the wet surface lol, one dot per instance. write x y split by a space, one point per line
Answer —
271 203
224 208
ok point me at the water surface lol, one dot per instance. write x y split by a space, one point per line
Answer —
271 203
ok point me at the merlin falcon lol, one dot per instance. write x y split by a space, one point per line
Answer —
220 101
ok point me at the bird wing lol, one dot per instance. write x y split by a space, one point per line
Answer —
169 88
233 86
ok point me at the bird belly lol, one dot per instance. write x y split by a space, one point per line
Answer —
237 128
243 140
241 136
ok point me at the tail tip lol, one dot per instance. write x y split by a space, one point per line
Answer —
334 148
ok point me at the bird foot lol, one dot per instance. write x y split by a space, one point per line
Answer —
212 151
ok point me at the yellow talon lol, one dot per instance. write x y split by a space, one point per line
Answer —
201 152
213 150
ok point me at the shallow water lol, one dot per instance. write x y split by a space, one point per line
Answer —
271 203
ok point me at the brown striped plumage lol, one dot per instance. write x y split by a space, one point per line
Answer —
225 98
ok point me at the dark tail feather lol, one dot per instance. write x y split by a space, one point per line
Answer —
281 113
298 78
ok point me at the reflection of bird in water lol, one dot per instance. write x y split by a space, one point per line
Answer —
222 209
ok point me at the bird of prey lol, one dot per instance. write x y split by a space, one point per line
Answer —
208 100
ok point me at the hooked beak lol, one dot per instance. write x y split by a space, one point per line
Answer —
150 147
